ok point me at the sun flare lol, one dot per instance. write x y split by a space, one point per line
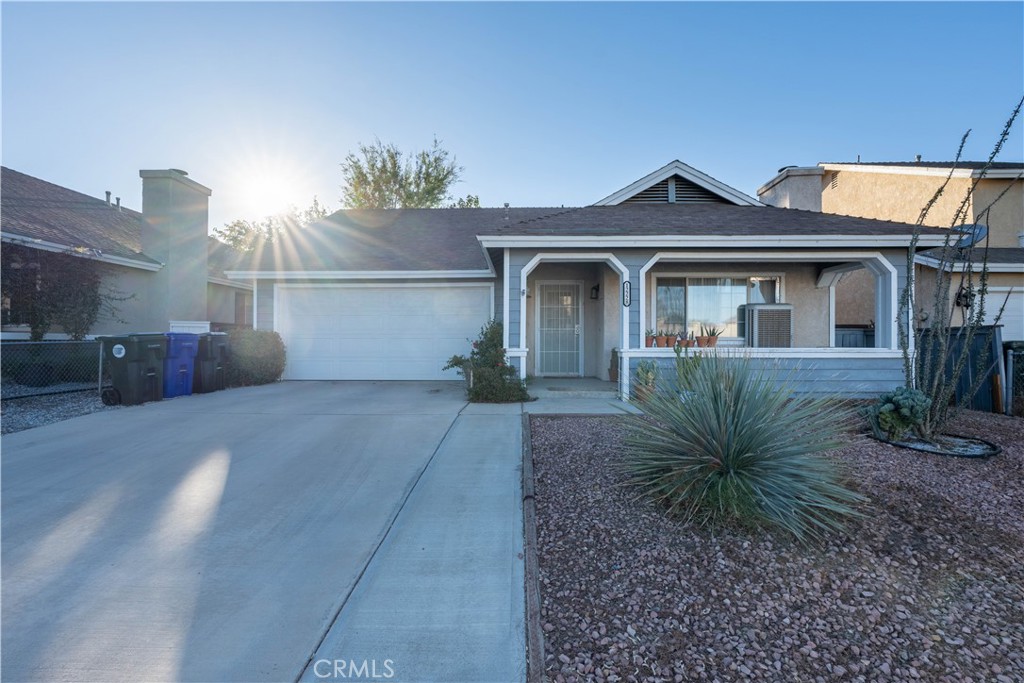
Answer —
267 188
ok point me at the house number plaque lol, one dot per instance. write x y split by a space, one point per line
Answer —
625 293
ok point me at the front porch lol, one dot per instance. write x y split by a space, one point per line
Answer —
575 313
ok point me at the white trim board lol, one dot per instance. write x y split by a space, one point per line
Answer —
961 266
941 171
229 283
358 274
708 241
97 254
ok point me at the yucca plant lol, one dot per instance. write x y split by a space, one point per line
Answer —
741 448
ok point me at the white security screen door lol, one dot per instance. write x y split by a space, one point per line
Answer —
559 329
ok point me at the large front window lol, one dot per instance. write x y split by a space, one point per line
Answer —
684 304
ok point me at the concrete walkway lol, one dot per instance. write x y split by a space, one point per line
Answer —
443 598
239 536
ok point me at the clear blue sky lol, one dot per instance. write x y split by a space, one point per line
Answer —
543 104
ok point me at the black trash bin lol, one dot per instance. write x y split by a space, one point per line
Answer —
211 363
136 363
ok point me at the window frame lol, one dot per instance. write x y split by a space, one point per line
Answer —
687 276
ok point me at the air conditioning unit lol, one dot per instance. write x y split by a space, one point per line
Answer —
770 325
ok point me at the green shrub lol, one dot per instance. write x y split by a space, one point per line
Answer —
493 379
257 357
897 412
736 446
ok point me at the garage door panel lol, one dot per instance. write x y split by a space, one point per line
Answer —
378 332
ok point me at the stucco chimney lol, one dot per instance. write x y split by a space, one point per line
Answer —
175 229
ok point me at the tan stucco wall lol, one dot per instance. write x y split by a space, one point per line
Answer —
220 303
1006 218
136 312
810 304
799 189
855 298
892 197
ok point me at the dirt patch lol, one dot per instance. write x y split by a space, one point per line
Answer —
928 586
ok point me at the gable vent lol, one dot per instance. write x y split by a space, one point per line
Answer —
675 189
655 194
690 193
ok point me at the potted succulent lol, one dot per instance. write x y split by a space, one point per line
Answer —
649 337
665 340
708 336
686 341
646 379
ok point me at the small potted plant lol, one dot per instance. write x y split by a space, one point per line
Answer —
687 341
665 340
649 337
708 336
646 379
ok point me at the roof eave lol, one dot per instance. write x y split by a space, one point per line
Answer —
708 241
82 252
358 274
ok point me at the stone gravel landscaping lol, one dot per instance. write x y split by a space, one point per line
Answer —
35 411
927 585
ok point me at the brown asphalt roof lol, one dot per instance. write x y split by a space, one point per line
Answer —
446 239
390 239
995 254
35 209
699 219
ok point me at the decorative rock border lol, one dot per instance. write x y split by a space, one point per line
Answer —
971 447
534 632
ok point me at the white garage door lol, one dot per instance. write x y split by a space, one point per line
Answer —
1013 315
379 332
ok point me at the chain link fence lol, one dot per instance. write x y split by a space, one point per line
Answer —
1015 368
48 367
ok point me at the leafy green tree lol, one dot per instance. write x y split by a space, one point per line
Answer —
381 176
244 235
58 289
470 201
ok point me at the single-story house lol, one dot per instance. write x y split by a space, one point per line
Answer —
162 257
391 294
987 198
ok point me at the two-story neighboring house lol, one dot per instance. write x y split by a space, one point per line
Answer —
898 191
167 271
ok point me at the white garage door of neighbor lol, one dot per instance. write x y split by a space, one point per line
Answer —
401 332
1013 315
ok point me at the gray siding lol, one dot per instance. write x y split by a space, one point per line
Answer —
848 377
264 305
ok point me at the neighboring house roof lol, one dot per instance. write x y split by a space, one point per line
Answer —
696 186
1000 259
42 215
37 210
973 165
386 240
998 170
221 258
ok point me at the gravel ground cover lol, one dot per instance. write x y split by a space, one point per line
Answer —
928 586
35 411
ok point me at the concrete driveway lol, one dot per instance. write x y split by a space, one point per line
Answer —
267 534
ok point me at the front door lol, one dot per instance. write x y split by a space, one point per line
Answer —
559 329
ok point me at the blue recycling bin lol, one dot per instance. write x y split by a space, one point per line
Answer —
179 364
